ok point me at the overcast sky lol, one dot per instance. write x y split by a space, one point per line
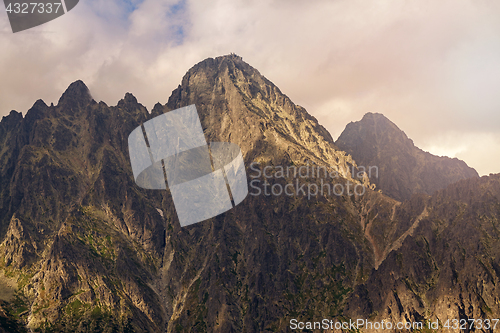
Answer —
432 67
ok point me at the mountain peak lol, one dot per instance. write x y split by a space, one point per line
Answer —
374 116
377 141
380 124
77 94
10 121
238 104
229 57
230 64
221 59
128 99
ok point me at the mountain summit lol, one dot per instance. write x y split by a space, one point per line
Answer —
77 95
237 104
404 169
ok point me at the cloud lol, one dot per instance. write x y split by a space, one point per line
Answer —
477 147
431 67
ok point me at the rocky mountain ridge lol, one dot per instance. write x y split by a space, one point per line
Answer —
89 251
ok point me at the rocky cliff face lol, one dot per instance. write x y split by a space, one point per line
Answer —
442 263
77 263
403 168
86 250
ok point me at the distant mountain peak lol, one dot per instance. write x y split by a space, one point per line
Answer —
128 99
77 94
10 121
14 114
39 104
378 120
404 168
375 115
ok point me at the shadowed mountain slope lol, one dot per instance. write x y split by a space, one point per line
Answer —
403 168
446 267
